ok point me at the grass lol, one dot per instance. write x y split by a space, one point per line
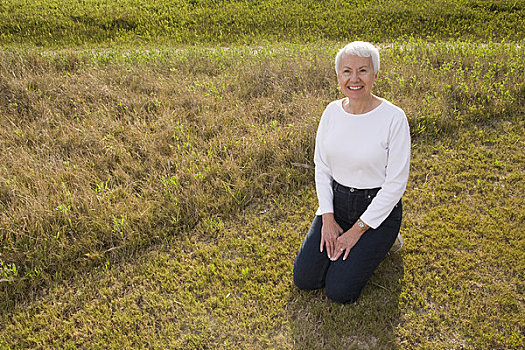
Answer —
153 194
55 23
157 199
207 290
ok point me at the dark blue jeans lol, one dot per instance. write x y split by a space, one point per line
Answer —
344 280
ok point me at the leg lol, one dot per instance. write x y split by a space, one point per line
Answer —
346 279
310 264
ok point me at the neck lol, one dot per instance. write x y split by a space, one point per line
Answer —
361 106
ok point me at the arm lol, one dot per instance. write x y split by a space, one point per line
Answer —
323 173
397 169
330 230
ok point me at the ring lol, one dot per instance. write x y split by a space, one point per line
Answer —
341 249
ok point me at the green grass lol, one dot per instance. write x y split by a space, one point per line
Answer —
55 23
157 199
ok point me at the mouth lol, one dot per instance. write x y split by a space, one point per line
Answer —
355 87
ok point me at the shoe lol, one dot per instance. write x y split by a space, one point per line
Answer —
398 244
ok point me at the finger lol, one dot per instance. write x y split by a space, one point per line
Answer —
346 254
333 252
334 248
329 248
322 244
337 254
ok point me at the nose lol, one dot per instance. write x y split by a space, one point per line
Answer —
354 76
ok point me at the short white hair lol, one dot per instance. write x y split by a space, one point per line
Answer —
361 49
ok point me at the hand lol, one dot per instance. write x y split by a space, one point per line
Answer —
346 242
330 231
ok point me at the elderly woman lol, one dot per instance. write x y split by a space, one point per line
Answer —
362 159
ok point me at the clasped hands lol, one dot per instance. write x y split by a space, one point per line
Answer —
336 241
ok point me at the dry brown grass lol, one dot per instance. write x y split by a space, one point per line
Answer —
101 155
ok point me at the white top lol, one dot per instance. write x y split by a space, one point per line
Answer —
363 151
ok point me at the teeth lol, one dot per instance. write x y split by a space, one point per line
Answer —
354 87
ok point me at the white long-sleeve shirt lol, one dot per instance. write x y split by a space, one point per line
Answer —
363 151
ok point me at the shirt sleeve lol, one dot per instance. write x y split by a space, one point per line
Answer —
397 169
323 173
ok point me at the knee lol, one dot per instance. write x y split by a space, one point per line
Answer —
305 281
342 295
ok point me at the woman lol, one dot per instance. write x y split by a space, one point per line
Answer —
362 159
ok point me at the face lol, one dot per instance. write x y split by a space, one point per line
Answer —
356 76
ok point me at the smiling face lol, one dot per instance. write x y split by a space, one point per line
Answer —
356 77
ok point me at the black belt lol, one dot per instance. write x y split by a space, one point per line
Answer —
345 189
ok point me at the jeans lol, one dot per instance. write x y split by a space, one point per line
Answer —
344 280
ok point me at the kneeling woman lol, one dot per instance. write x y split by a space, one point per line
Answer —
362 160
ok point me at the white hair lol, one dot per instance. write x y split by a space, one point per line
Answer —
361 49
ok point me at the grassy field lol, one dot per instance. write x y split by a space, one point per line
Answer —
156 197
54 23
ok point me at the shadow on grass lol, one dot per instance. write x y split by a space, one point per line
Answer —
317 323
